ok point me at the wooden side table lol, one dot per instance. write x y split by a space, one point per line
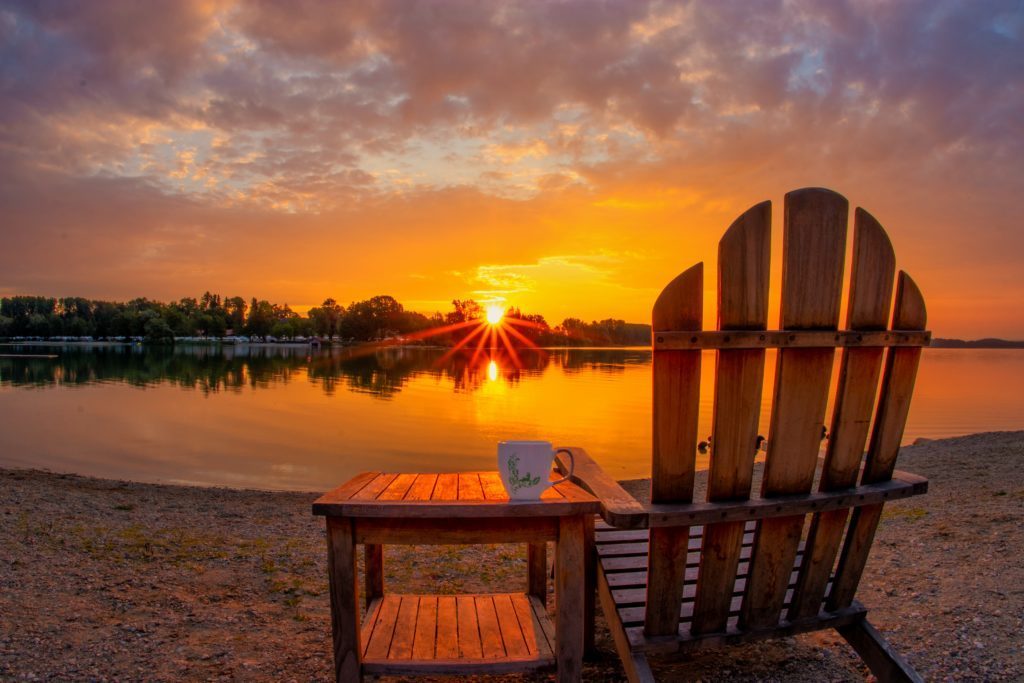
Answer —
493 633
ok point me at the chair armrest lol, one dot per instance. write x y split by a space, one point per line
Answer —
902 485
618 508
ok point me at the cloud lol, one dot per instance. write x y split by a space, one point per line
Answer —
195 130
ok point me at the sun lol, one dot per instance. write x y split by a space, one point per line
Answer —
494 314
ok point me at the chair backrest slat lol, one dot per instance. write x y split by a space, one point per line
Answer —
743 263
871 281
814 245
814 242
891 418
676 390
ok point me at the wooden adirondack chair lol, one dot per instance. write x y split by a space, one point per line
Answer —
678 575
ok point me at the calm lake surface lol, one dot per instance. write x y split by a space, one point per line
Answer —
295 418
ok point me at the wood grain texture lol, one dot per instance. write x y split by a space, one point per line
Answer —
883 660
446 488
425 643
447 646
789 339
470 487
373 571
634 663
537 570
386 618
569 589
455 531
676 384
422 488
492 645
467 494
618 507
676 389
743 259
874 265
372 489
814 242
902 485
405 629
421 634
511 632
349 488
470 646
589 586
344 591
891 418
492 486
398 488
814 247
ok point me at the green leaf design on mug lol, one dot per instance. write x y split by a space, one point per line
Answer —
519 482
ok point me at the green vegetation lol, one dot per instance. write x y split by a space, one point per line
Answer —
215 317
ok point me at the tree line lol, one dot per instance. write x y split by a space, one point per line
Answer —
212 316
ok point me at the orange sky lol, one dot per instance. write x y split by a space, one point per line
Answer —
568 157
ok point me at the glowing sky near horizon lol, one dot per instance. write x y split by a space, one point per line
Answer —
569 158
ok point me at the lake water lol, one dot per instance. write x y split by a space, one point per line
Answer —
292 418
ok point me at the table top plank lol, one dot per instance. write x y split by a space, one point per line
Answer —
350 487
422 488
447 487
493 488
374 488
454 495
469 486
398 488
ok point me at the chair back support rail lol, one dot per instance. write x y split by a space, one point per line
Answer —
882 339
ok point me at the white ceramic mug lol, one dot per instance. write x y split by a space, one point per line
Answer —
525 467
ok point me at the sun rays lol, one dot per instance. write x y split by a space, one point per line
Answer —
491 336
492 340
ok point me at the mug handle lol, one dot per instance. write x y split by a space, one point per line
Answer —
572 465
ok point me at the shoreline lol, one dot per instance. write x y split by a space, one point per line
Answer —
114 580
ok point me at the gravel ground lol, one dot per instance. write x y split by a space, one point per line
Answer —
107 580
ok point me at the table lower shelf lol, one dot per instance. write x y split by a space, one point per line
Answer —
491 633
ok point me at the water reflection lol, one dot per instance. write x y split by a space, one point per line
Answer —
296 418
381 372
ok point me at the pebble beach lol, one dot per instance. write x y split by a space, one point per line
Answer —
105 580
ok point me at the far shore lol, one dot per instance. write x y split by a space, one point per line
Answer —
114 580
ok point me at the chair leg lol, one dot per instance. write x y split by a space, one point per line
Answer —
634 663
885 663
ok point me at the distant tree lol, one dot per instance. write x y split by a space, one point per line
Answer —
261 318
235 308
464 309
376 318
157 331
326 318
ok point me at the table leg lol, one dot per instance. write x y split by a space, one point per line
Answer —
341 573
589 585
537 562
373 568
569 598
